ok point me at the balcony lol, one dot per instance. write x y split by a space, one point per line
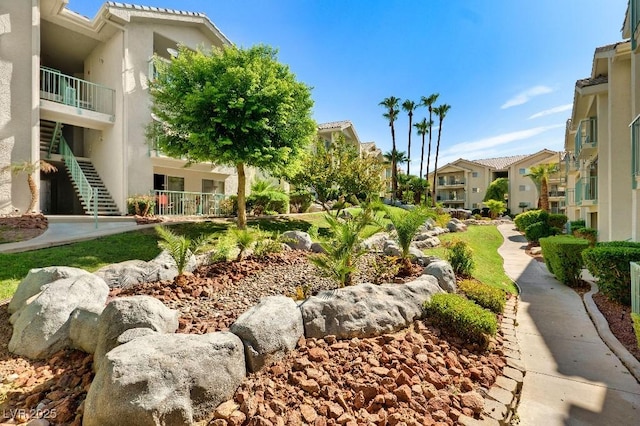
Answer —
72 100
587 191
180 203
451 182
570 197
557 194
587 138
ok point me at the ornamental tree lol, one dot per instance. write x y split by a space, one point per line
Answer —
234 106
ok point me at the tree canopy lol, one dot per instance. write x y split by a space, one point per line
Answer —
540 176
497 189
337 170
234 107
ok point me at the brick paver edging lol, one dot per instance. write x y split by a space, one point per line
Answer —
501 400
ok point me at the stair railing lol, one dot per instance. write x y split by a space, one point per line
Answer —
56 130
85 190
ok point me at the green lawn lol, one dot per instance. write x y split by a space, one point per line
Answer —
484 241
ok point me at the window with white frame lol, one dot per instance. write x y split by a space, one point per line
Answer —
523 171
524 188
475 190
474 174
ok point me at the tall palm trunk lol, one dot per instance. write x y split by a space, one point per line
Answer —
394 164
409 145
421 157
544 194
428 189
33 188
435 166
242 198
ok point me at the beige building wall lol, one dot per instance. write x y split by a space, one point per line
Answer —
19 98
522 189
617 191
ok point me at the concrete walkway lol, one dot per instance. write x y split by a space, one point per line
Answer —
69 229
572 377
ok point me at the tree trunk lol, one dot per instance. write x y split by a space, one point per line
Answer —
422 158
428 189
33 188
242 198
394 164
409 145
544 194
435 166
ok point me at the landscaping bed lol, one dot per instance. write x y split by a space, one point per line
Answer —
20 228
431 365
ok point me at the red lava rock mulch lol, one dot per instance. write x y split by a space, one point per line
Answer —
619 318
20 228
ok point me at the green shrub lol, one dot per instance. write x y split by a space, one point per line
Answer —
610 265
588 234
523 220
229 206
563 256
484 295
460 256
631 244
636 326
266 197
538 230
179 247
462 316
267 244
557 220
575 224
141 205
300 200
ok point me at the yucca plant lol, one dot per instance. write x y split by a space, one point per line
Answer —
406 224
180 248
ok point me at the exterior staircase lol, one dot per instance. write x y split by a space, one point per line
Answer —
50 133
106 205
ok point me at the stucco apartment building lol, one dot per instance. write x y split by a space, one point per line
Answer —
330 131
463 183
603 139
74 92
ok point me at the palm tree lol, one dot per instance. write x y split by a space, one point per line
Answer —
409 106
441 112
391 104
30 169
400 157
540 177
428 102
423 128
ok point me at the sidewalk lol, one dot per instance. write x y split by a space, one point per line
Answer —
572 377
69 229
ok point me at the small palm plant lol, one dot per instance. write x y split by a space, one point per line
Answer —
244 239
407 224
180 248
30 169
344 249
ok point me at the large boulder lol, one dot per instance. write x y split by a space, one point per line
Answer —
366 310
391 248
298 240
375 242
33 283
131 272
443 272
269 330
428 242
456 225
125 313
83 329
165 379
41 327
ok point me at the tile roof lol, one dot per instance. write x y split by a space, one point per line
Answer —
334 125
586 82
608 47
500 163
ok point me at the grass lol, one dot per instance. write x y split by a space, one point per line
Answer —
484 241
94 254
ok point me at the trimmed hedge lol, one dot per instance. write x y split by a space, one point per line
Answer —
557 220
523 220
631 244
610 265
636 326
589 234
462 316
538 230
575 224
563 256
486 296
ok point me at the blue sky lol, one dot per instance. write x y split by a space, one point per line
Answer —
507 67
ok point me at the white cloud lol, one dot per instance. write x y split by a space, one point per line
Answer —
524 97
554 110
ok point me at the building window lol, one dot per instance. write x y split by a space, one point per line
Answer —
175 183
475 190
524 188
474 174
475 206
523 171
210 186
